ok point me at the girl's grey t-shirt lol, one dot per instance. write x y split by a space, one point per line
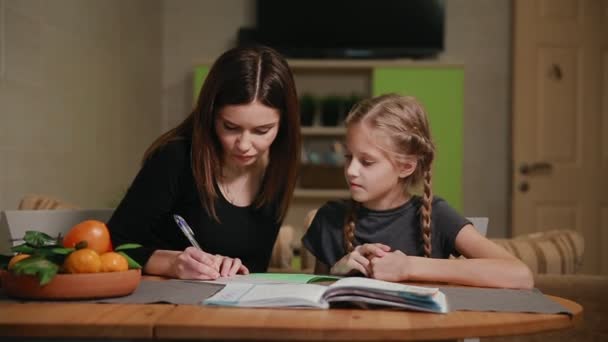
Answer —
398 228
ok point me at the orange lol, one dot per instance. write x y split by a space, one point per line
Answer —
16 259
84 260
94 232
113 262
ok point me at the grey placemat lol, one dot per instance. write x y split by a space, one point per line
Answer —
501 300
169 291
459 298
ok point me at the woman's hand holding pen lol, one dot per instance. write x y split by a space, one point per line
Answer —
359 259
231 266
194 263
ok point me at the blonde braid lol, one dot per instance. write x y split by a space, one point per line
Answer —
349 227
425 213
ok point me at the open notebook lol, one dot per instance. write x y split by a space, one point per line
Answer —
354 290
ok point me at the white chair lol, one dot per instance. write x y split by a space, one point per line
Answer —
14 223
480 223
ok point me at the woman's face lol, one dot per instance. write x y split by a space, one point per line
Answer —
246 132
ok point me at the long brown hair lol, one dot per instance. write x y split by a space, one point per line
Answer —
241 76
404 121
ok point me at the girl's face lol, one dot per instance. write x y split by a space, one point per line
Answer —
374 179
246 132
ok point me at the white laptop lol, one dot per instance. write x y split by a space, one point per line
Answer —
14 223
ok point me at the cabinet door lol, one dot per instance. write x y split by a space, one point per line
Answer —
440 90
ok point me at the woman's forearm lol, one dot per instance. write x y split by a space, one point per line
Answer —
161 263
503 273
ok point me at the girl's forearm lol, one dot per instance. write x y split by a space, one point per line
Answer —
161 262
502 273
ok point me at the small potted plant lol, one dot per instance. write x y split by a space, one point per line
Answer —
308 108
331 110
351 101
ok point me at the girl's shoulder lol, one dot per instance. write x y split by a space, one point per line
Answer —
332 213
437 202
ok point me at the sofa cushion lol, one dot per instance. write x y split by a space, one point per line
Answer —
550 252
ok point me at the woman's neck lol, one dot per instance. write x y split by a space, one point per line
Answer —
240 185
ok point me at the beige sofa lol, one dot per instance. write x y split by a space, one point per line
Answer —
555 257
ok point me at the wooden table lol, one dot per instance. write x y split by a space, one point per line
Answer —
54 320
80 320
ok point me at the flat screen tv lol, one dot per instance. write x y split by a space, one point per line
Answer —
351 28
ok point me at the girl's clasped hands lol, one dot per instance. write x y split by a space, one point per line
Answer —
374 260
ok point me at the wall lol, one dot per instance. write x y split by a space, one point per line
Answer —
195 31
478 34
79 97
78 78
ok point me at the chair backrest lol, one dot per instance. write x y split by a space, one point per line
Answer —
14 223
37 202
480 223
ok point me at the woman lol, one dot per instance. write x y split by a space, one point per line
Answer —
229 169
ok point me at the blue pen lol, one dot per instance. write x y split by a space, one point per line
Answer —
185 228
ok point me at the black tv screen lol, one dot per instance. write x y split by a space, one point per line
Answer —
351 28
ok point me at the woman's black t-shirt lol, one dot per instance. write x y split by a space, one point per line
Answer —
165 186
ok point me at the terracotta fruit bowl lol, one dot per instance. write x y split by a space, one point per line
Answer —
72 286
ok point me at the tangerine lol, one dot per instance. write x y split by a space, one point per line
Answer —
113 262
15 259
84 260
94 232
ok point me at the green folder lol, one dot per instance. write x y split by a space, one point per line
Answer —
301 278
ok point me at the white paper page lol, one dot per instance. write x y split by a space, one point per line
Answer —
375 284
281 293
231 294
277 295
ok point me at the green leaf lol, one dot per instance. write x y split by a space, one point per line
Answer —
37 266
39 239
62 250
23 248
46 251
132 263
127 246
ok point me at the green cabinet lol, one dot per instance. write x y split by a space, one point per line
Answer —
440 89
200 72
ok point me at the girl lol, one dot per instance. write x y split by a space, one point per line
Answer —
386 232
229 169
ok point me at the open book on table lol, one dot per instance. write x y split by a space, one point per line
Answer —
353 290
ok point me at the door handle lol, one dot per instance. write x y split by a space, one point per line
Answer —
534 168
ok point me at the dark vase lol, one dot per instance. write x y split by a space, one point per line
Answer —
350 102
331 110
308 107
